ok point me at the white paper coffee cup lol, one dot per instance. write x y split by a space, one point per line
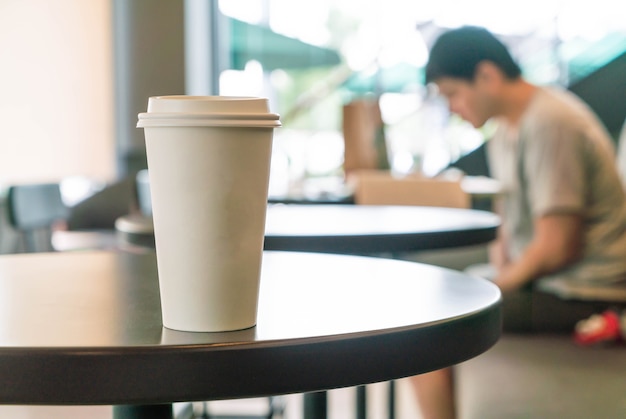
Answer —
208 164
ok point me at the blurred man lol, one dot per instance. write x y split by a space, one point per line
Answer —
564 211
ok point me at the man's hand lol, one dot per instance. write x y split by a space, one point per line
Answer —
557 243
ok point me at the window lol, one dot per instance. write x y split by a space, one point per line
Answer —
347 49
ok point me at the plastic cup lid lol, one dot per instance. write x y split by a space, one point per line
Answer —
234 111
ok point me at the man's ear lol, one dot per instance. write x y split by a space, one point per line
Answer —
487 73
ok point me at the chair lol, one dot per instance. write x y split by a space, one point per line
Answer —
33 210
100 210
374 187
474 163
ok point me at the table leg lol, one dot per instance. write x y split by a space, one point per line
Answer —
315 405
361 402
392 400
143 411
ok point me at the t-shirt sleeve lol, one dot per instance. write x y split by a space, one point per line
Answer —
554 169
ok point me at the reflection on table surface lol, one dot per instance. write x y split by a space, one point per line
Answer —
111 298
337 220
372 219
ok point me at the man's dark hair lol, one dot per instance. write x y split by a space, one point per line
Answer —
458 52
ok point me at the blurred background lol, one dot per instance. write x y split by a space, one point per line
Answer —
75 74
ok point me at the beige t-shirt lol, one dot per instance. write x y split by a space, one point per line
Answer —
560 159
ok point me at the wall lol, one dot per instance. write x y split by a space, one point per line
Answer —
56 79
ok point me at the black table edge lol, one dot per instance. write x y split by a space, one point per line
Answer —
381 243
56 376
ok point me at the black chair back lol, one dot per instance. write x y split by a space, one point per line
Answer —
33 210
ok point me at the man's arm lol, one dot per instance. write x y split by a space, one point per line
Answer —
557 243
498 249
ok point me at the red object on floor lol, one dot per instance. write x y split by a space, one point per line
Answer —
598 328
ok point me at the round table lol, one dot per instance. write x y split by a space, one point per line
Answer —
355 229
365 229
85 328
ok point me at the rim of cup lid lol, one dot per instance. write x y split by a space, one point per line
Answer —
207 122
207 104
216 115
207 97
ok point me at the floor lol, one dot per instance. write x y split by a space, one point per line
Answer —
341 406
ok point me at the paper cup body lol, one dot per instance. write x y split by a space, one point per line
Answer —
208 185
